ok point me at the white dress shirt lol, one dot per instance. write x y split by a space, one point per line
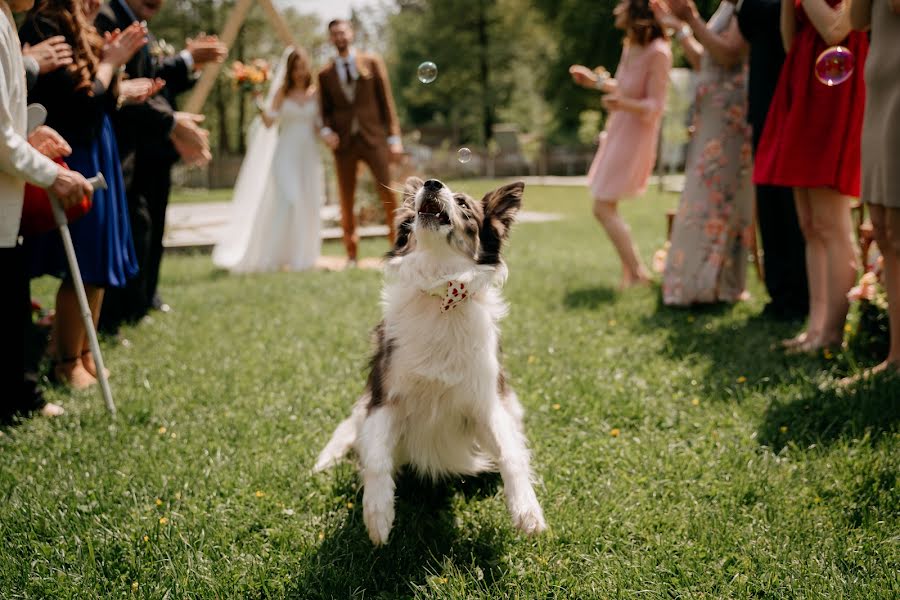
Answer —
19 162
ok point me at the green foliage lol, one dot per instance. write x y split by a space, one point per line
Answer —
487 53
733 475
229 110
869 339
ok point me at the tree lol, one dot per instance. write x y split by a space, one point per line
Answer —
481 48
227 108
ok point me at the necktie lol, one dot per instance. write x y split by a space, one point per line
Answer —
347 71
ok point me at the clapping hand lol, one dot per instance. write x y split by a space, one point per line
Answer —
206 49
591 78
51 54
664 15
685 10
49 143
190 140
583 76
120 46
137 91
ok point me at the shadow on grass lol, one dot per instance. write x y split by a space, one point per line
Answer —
589 298
424 537
823 416
734 349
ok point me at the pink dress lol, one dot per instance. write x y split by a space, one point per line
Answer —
627 149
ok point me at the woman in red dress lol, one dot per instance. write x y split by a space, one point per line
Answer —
811 142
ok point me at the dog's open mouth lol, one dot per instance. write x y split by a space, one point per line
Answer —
432 209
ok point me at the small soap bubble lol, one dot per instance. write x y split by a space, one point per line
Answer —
427 72
834 66
464 155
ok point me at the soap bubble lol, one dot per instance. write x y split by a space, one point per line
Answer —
834 66
427 72
464 155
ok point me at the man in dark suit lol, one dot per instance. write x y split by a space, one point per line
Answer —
152 136
360 125
782 241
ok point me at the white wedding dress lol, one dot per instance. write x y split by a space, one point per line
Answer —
275 213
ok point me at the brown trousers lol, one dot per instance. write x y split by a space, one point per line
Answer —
346 161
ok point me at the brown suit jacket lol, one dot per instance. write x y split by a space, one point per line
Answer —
373 104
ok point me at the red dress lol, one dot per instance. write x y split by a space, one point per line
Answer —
813 132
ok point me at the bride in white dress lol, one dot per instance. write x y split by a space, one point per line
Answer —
275 220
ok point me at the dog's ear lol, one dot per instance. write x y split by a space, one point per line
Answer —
404 217
410 188
500 209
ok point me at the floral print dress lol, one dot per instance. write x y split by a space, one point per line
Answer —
713 229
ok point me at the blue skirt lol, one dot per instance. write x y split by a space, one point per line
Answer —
102 237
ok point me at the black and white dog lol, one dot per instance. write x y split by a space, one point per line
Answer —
436 397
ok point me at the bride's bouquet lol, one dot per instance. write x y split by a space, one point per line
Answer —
249 77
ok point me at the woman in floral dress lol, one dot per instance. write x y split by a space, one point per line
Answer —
713 229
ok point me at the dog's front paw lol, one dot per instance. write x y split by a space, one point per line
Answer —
378 515
529 520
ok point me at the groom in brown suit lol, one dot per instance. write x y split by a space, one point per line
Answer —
360 124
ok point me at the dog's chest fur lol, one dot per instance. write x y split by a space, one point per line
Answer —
442 374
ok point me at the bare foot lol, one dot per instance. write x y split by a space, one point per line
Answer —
52 410
73 374
87 359
630 281
814 344
797 340
885 369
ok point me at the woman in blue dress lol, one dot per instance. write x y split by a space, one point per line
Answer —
78 99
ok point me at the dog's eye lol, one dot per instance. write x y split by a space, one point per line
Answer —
461 202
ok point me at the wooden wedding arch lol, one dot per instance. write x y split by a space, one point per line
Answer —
228 36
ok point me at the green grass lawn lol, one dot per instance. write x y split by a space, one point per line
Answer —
677 455
190 195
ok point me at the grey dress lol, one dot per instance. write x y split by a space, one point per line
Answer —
881 128
713 229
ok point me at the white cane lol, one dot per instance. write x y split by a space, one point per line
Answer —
37 114
98 183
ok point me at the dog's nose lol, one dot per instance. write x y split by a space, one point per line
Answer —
433 185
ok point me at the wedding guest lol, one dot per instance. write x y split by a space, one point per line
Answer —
152 137
707 260
274 219
635 100
880 144
20 163
361 125
78 99
811 142
779 229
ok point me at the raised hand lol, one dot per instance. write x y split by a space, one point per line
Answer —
120 46
583 76
137 91
683 9
51 54
190 140
206 49
664 15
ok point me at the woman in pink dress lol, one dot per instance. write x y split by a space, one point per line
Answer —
635 99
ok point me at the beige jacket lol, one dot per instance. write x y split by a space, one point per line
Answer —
19 162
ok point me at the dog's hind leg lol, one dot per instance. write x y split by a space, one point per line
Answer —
343 438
